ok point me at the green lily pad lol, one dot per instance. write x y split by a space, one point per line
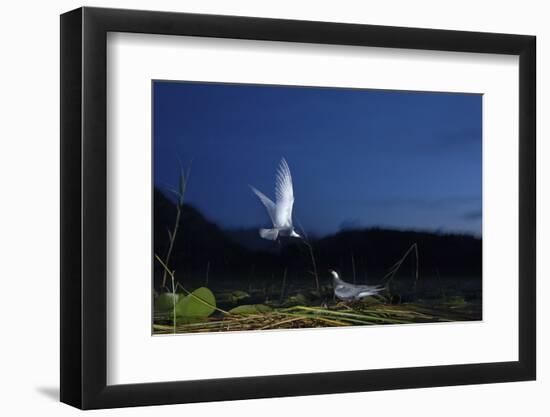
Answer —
197 306
164 302
456 301
251 309
238 295
298 299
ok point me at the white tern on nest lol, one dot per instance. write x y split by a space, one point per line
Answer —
349 292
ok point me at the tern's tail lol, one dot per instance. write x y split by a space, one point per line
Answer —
381 287
269 234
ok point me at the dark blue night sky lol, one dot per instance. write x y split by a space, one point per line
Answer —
359 158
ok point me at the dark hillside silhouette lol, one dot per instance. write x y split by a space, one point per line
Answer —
238 255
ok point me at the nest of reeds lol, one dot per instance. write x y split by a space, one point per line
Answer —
338 315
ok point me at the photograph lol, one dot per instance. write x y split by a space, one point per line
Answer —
292 207
266 205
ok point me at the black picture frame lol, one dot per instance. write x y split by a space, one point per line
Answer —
84 207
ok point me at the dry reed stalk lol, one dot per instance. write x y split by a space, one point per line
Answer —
353 267
180 193
395 267
283 287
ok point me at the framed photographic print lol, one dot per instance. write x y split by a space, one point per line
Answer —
284 206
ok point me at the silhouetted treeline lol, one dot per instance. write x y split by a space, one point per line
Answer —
241 255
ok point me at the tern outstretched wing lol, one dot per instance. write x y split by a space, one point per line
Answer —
284 196
266 201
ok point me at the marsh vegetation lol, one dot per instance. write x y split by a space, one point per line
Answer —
211 280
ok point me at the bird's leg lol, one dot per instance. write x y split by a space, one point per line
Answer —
279 244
